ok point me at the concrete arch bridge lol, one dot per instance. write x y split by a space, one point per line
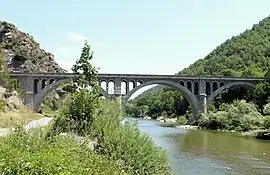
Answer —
198 90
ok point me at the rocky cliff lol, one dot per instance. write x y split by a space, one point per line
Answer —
22 53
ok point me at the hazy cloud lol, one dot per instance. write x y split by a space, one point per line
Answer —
75 37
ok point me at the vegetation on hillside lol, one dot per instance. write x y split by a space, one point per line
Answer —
247 54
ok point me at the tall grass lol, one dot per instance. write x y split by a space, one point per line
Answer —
22 153
121 149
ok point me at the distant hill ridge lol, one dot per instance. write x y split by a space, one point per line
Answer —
247 54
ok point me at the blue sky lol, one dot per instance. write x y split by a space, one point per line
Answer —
142 36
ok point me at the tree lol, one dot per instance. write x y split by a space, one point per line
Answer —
80 108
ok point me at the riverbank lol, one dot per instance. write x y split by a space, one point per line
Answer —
258 134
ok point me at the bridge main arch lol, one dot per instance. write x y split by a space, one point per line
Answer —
39 97
194 103
227 86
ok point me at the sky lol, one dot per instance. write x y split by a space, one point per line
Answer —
128 36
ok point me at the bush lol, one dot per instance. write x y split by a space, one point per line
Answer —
238 116
2 105
267 122
182 120
123 143
77 114
266 109
22 153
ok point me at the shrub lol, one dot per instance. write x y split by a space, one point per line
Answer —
2 105
123 143
77 114
239 116
22 153
266 109
267 122
182 120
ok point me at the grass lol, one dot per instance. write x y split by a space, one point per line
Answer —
121 149
13 118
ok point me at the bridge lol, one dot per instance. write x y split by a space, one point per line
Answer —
198 90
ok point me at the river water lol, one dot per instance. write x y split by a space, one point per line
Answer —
209 153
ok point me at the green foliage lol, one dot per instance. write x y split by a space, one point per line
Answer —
266 109
85 71
182 120
22 153
238 116
159 103
133 151
267 122
2 105
77 114
247 54
5 79
261 94
244 55
121 149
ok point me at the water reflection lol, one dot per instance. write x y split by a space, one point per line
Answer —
210 153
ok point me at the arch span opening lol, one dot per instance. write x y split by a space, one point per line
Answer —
40 96
187 94
224 87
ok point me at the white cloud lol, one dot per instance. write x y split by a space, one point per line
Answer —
75 37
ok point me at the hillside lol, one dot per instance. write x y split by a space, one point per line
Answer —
247 54
22 53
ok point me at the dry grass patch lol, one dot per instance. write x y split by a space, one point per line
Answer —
15 117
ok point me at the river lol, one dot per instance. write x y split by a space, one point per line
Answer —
209 153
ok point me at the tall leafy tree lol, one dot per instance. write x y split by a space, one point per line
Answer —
80 108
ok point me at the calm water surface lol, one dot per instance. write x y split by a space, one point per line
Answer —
210 153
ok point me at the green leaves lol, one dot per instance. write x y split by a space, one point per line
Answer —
238 116
22 153
77 113
134 152
154 104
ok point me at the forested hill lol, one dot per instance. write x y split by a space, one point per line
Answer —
247 54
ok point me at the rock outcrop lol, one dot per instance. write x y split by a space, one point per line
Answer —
23 54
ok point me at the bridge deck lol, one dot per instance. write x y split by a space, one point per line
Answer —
142 76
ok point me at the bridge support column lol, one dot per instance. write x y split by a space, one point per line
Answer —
27 85
117 87
203 97
203 102
29 100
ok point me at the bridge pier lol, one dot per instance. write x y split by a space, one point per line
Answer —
203 102
29 100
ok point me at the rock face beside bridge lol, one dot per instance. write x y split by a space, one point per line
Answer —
23 54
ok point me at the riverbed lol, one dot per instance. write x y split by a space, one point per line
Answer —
209 153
